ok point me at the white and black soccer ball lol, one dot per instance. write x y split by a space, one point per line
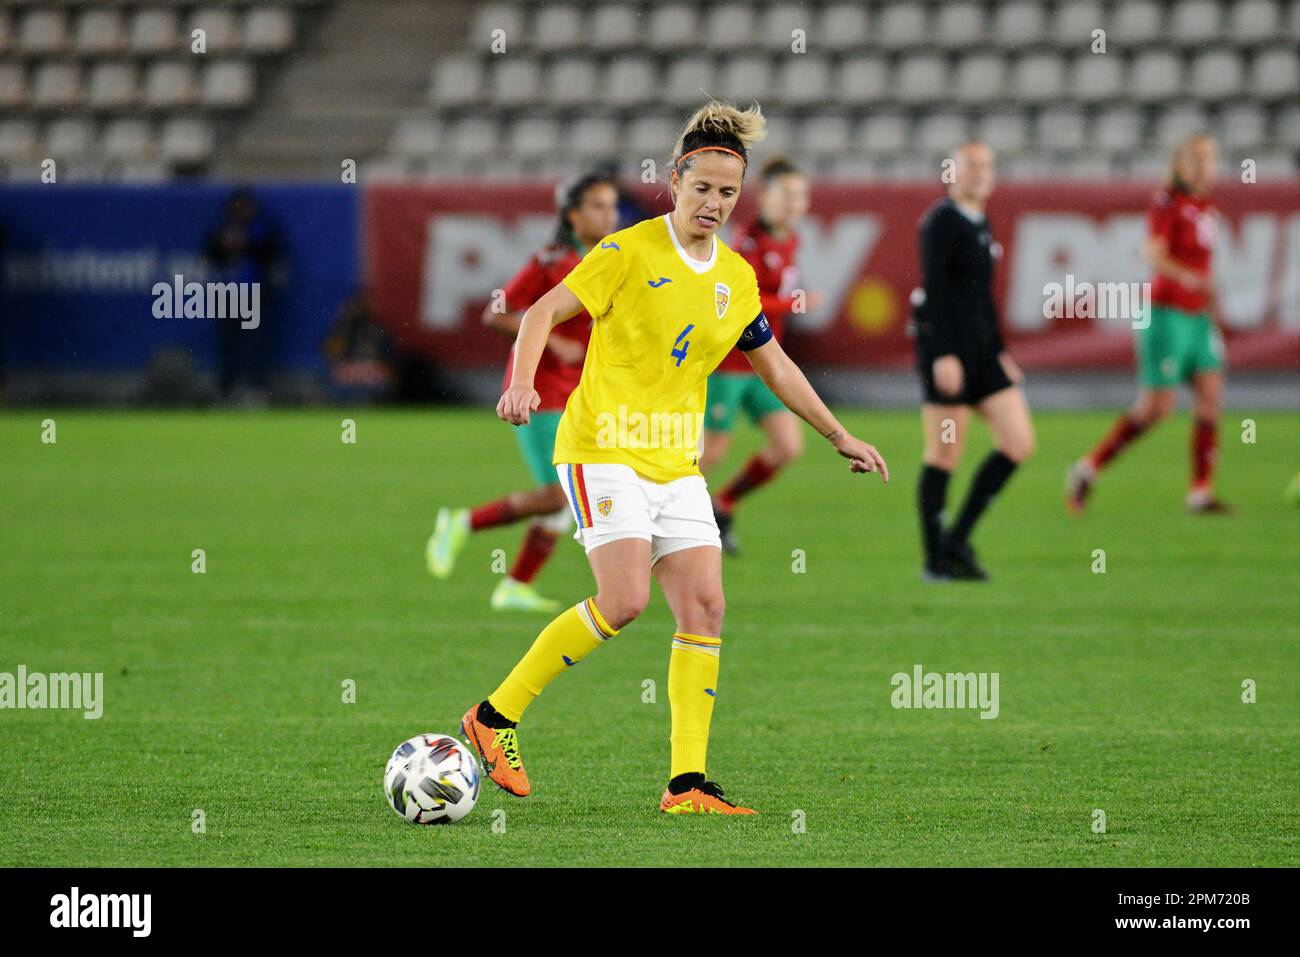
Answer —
432 779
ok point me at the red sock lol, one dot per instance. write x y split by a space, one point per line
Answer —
493 513
1124 431
537 548
1205 452
755 473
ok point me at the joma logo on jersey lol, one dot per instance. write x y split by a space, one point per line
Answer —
721 298
656 283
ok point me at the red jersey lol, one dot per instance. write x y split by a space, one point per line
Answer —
1187 225
773 262
554 379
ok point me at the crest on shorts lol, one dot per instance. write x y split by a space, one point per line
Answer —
605 505
721 298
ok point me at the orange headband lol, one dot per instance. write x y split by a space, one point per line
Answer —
721 149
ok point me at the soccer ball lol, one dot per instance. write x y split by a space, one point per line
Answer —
432 779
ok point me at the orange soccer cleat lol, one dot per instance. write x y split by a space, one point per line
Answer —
499 750
703 797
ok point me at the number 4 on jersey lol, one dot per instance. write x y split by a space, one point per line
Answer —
682 344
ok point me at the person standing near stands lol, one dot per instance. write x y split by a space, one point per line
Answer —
963 365
245 247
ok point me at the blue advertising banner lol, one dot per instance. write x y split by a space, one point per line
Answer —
103 278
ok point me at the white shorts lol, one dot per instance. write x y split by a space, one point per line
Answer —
612 502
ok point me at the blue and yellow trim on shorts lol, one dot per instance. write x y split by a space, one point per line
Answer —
578 495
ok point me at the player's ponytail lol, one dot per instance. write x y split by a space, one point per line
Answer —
719 126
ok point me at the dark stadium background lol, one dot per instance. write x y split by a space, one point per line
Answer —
409 149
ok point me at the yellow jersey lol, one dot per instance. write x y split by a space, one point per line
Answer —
662 322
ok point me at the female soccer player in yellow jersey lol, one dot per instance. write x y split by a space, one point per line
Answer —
669 301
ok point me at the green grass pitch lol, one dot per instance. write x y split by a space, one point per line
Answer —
1119 691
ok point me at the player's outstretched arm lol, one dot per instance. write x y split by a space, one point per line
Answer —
519 401
792 387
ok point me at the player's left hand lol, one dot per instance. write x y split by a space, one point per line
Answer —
862 457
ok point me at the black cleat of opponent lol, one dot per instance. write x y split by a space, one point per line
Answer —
725 521
961 563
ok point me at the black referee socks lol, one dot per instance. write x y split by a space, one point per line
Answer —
993 474
931 494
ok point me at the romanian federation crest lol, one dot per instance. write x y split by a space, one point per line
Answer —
605 505
721 298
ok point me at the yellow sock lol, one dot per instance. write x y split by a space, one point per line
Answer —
692 685
562 644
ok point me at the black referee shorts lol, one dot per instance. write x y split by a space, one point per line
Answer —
982 375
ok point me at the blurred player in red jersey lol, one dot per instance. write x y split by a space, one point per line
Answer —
770 245
588 213
1180 343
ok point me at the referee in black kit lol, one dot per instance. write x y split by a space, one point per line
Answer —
963 365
